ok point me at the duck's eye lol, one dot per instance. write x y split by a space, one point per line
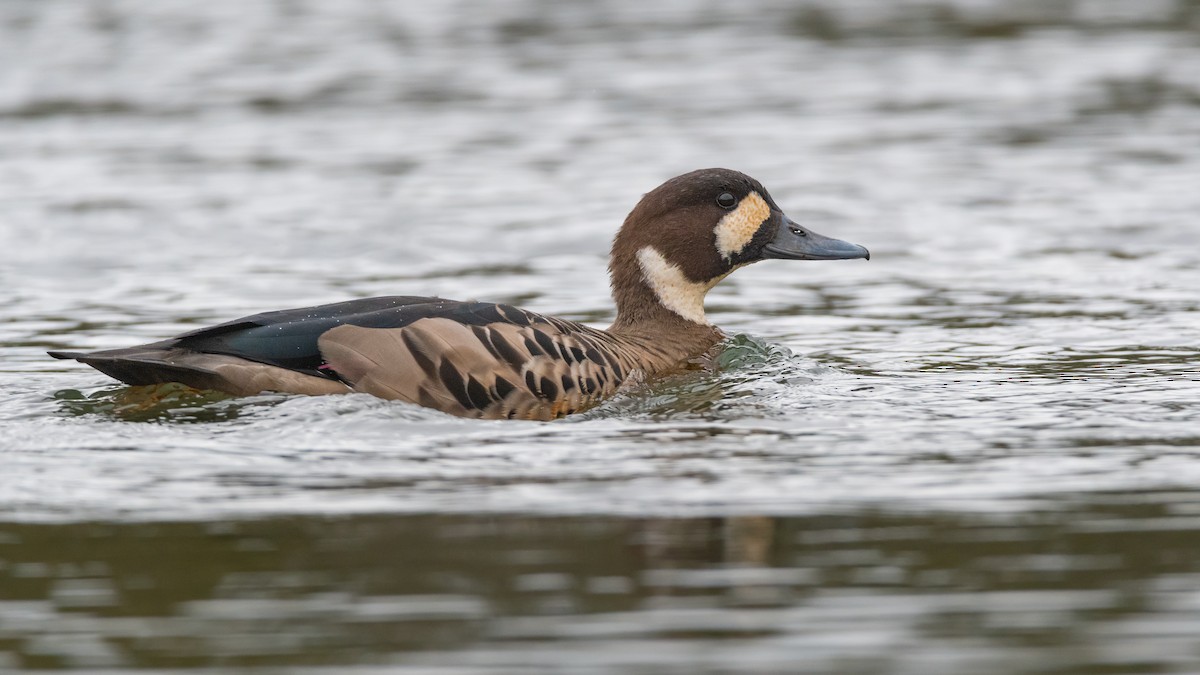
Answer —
726 200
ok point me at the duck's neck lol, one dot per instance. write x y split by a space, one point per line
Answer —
657 302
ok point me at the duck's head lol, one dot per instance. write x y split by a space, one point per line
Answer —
692 231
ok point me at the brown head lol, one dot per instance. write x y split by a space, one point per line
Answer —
690 232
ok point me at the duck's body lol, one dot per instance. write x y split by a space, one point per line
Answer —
471 359
489 360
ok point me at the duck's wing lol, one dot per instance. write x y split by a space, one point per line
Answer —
288 338
272 351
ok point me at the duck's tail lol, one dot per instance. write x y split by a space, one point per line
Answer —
146 364
160 363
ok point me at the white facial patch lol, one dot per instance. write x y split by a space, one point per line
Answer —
674 290
739 226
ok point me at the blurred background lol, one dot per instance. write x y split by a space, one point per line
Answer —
977 452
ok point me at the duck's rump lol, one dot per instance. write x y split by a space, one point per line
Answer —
467 358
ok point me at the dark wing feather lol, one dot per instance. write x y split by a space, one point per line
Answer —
288 338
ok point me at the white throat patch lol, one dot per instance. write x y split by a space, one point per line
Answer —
739 226
674 290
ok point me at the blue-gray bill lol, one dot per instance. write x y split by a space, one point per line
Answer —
794 242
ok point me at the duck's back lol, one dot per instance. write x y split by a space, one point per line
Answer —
471 359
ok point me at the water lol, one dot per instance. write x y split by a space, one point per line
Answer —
977 452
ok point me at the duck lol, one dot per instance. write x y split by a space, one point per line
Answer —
493 360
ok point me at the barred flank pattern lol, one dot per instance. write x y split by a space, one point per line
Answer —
522 366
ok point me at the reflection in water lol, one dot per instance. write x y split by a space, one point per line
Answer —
1104 582
168 402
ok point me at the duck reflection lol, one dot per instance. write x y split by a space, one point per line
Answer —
356 589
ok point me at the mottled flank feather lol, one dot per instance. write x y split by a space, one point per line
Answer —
535 368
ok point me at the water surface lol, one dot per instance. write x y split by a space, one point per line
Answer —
977 452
